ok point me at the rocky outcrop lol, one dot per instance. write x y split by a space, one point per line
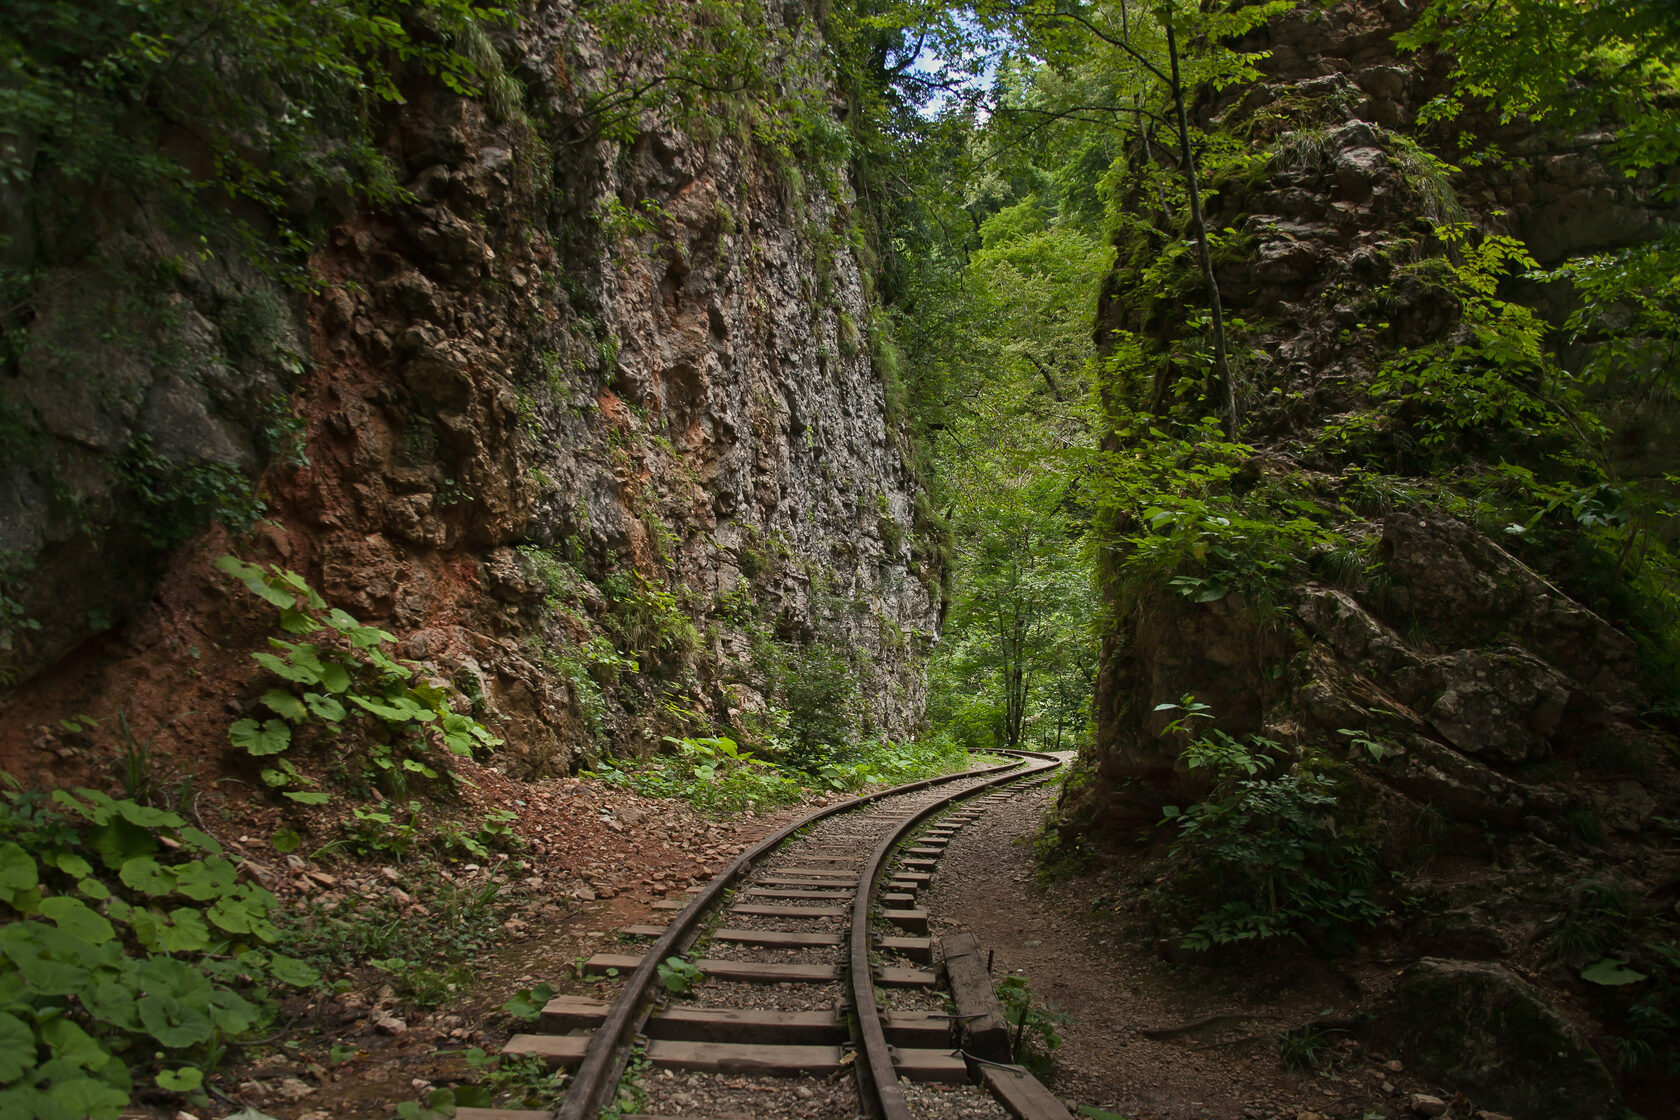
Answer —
1478 1029
1480 702
594 426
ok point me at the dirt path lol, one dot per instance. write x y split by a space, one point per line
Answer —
1150 1040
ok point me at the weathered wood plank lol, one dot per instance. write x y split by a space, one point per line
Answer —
769 892
761 911
919 949
776 939
891 976
914 921
981 1025
1022 1096
751 972
930 1065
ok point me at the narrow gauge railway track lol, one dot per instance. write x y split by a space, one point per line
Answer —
811 892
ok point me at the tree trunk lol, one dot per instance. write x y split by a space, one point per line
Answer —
1221 362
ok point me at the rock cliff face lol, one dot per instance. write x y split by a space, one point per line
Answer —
593 426
1510 718
1480 655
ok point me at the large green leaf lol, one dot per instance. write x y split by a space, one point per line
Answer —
18 873
269 737
206 878
50 961
1611 972
173 1021
147 876
17 1048
254 578
284 703
70 1043
84 1098
295 673
290 970
325 707
335 677
78 919
147 817
118 841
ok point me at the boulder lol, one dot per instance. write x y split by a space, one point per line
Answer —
1479 1029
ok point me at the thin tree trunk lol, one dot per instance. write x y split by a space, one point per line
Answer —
1221 362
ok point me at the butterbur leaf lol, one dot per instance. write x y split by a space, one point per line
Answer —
528 1004
147 876
285 840
173 1021
308 797
384 711
269 737
183 1080
284 703
335 677
17 1048
84 1098
144 816
18 873
326 707
70 1043
1611 972
72 865
295 673
290 970
76 918
94 889
202 841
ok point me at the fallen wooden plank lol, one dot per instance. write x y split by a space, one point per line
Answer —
904 885
905 899
796 881
935 850
768 892
918 864
983 1029
1022 1096
819 872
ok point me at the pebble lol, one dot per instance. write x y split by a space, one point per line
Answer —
1425 1105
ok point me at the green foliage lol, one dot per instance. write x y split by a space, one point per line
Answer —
1262 857
1308 1049
712 774
129 951
180 105
678 976
1188 515
344 686
527 1004
1036 1038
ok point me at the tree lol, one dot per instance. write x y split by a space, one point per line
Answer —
1146 82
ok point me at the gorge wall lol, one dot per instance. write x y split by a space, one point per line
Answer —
1463 678
593 425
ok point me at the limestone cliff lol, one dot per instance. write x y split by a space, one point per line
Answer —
593 425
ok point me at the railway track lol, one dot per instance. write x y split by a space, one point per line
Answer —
816 991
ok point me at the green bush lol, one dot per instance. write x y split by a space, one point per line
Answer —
1262 856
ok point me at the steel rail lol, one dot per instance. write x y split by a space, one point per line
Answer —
604 1059
876 1054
